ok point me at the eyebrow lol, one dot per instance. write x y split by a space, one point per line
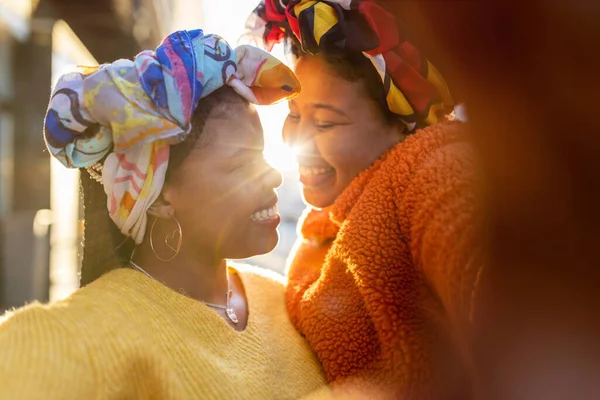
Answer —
326 107
330 108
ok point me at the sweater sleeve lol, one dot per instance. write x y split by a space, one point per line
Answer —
441 217
41 359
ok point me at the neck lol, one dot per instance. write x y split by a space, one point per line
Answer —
198 275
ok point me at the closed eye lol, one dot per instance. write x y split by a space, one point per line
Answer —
293 117
325 126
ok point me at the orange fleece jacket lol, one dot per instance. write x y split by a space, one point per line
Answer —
381 282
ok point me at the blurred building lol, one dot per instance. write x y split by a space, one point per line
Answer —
40 212
39 40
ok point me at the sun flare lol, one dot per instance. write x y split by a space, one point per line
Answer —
280 156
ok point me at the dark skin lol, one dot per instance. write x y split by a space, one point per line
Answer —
336 129
213 193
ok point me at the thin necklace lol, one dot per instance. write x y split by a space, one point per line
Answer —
229 311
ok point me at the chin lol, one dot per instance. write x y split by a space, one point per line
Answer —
267 245
317 199
257 245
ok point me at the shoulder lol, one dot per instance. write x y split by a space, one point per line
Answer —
259 276
41 330
264 288
28 318
427 141
428 153
440 196
75 315
449 153
261 284
442 132
37 320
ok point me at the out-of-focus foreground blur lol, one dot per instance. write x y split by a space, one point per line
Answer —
528 73
40 209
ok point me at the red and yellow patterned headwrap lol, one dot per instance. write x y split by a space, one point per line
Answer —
415 90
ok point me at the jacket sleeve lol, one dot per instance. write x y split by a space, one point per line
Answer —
442 220
41 359
306 260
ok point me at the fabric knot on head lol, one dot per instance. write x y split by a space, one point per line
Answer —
128 112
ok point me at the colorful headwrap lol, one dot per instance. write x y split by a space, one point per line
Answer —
133 110
415 89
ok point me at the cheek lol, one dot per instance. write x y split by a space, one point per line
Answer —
225 199
207 208
345 150
191 206
234 199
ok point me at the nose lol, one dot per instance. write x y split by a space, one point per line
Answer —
271 177
306 147
301 139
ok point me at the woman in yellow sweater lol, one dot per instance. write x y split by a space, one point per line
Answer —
161 315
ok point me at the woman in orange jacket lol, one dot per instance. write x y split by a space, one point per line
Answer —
382 278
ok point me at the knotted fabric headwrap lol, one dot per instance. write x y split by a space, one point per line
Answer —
415 90
131 112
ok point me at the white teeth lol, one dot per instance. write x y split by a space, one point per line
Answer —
266 214
309 171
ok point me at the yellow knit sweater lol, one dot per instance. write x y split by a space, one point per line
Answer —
127 336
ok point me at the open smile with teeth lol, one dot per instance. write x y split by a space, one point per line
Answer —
265 215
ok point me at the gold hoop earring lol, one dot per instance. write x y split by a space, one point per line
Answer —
176 249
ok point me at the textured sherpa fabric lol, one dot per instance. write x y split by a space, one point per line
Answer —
381 283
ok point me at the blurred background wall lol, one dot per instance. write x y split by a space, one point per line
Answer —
40 211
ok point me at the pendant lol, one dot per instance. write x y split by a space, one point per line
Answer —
232 315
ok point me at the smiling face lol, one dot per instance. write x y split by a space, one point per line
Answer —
337 130
223 192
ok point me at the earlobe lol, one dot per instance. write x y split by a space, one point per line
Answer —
161 209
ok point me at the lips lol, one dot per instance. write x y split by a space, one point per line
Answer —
267 214
316 175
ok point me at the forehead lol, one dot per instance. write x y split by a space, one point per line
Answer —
233 126
229 132
234 122
321 84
